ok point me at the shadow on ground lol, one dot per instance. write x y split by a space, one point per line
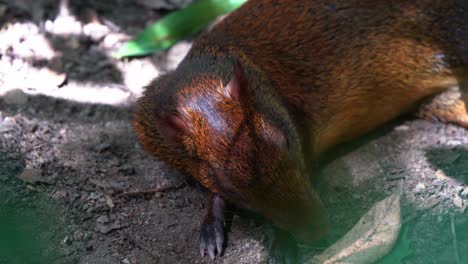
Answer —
452 161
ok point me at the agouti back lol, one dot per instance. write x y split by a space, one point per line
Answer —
277 83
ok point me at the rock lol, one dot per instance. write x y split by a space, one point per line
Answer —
94 196
106 228
67 251
59 194
453 142
402 128
441 175
420 187
66 241
458 202
78 235
33 176
109 202
103 147
8 124
102 219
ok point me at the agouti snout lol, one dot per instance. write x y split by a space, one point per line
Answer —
232 148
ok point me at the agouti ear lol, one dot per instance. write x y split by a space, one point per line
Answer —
171 127
236 88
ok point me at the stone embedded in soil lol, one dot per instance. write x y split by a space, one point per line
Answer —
458 202
441 175
104 225
109 202
61 194
402 128
106 228
420 187
8 124
103 147
67 251
33 176
66 240
102 219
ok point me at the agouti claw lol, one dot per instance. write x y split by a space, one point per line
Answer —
212 228
211 238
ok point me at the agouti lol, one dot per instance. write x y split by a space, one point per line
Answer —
278 82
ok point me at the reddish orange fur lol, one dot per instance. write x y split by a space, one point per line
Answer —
318 73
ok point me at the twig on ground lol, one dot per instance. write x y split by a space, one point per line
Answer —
152 191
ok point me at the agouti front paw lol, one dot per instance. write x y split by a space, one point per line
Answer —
212 228
212 238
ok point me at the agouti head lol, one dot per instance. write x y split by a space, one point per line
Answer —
212 125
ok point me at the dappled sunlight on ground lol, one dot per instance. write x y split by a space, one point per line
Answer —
54 60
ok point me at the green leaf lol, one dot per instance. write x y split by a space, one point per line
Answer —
176 26
400 251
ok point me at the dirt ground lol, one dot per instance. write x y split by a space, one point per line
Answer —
75 187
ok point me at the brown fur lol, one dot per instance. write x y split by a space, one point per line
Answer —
314 74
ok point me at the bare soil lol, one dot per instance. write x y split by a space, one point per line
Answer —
75 186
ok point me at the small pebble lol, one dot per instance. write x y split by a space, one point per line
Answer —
102 219
402 128
458 202
109 202
31 176
420 187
